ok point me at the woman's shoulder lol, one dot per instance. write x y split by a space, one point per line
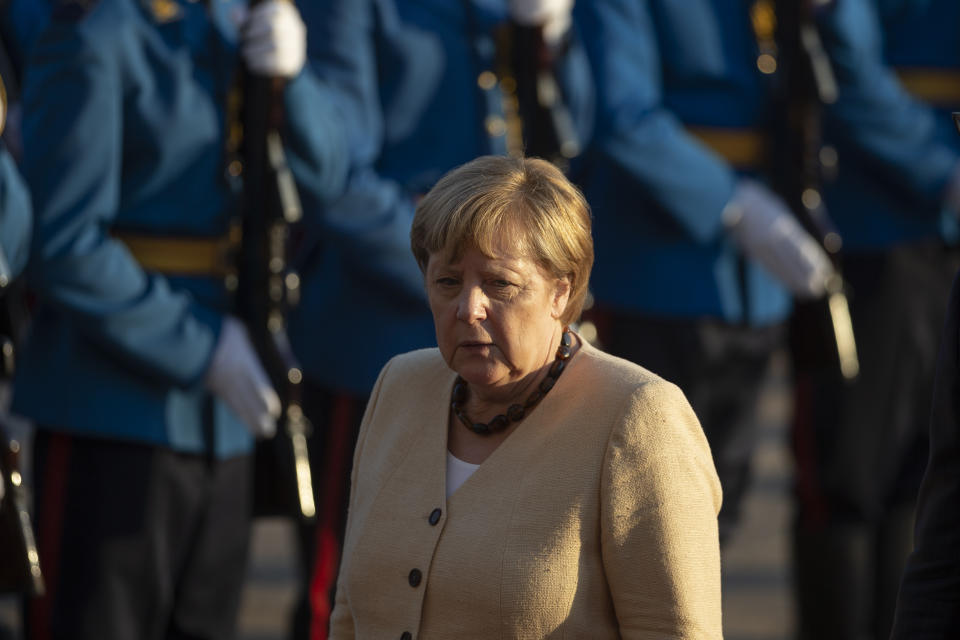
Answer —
635 398
415 370
419 361
616 374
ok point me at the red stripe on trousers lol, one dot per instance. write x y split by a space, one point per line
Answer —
814 508
50 532
335 485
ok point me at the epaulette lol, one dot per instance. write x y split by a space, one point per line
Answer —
71 10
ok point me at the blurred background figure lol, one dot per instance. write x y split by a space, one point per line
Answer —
424 87
688 102
861 447
673 177
145 391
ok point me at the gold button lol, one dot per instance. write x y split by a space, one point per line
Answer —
833 242
810 198
496 126
766 63
828 156
487 80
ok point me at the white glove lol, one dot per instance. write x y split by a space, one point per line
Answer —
553 15
274 39
236 377
765 230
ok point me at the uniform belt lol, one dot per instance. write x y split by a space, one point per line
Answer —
939 87
184 255
742 148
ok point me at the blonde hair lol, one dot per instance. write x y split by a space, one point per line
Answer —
527 200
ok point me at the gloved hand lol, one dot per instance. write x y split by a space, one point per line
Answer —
765 230
274 39
552 15
236 377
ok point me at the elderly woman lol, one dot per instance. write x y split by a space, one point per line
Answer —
517 482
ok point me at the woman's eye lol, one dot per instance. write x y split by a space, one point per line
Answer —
447 282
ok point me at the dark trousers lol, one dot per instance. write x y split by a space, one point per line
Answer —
861 447
928 606
720 368
137 542
336 418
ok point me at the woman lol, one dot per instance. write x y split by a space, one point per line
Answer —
517 482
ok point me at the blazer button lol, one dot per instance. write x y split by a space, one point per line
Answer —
406 635
435 516
415 577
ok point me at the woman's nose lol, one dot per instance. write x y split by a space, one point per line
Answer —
472 306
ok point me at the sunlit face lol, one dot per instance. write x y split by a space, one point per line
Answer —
497 319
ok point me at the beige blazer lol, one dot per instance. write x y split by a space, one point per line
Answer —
596 518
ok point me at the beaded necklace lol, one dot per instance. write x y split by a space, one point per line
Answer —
516 412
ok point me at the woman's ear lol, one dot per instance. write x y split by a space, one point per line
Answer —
561 296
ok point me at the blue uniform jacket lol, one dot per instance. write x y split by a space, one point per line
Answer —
872 208
657 192
124 126
15 221
407 74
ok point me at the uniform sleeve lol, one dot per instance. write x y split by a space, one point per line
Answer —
73 118
634 128
15 216
371 221
659 505
874 113
316 144
341 619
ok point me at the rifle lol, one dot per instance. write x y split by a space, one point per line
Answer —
538 121
821 332
19 560
268 288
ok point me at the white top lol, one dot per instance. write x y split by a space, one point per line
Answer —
457 472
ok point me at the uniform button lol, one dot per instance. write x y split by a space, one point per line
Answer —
415 577
406 635
487 80
496 126
767 64
435 516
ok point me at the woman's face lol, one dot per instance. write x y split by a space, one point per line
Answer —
496 318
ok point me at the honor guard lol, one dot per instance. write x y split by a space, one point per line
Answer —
422 92
144 389
861 447
697 257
